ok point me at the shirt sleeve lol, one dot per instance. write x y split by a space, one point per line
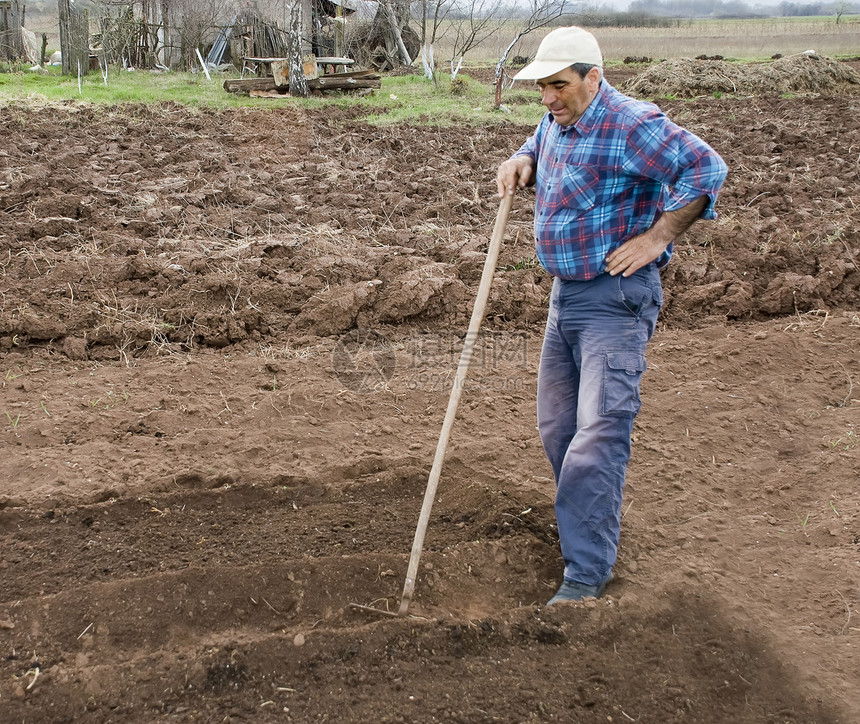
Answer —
687 167
530 147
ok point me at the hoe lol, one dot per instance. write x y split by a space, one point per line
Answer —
454 399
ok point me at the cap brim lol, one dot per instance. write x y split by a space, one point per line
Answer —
542 69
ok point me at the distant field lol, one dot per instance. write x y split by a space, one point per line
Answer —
741 39
747 39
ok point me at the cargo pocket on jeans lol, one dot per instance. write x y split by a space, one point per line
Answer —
622 373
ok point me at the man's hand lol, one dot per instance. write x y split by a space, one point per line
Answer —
513 174
641 250
635 253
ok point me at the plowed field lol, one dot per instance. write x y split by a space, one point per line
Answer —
226 345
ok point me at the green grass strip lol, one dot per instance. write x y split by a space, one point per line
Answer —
401 99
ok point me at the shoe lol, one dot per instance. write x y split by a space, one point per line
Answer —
576 591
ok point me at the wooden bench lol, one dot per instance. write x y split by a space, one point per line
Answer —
323 61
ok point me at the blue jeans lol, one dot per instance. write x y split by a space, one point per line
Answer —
591 365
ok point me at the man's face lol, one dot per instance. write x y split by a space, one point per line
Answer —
566 95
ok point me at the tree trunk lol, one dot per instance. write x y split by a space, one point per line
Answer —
167 40
63 8
298 82
394 37
11 41
74 38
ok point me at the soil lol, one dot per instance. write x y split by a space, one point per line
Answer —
226 346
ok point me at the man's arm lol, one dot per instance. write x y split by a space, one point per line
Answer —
519 170
691 171
645 248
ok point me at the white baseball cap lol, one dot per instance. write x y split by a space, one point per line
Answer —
559 50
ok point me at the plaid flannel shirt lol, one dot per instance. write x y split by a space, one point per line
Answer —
609 176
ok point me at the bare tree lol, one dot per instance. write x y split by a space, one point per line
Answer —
482 19
474 22
154 51
74 38
542 13
840 8
433 14
121 34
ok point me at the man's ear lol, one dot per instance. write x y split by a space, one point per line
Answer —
592 80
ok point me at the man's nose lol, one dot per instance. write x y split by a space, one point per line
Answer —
547 95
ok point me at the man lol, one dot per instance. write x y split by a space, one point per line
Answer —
616 182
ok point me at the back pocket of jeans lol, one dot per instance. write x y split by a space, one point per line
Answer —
621 376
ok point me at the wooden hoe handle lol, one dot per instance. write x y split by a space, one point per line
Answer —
454 399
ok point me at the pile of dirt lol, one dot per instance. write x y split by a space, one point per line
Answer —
689 78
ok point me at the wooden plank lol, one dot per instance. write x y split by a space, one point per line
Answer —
310 67
267 94
245 85
327 82
333 62
354 74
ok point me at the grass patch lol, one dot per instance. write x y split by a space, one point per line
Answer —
122 86
416 99
401 99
